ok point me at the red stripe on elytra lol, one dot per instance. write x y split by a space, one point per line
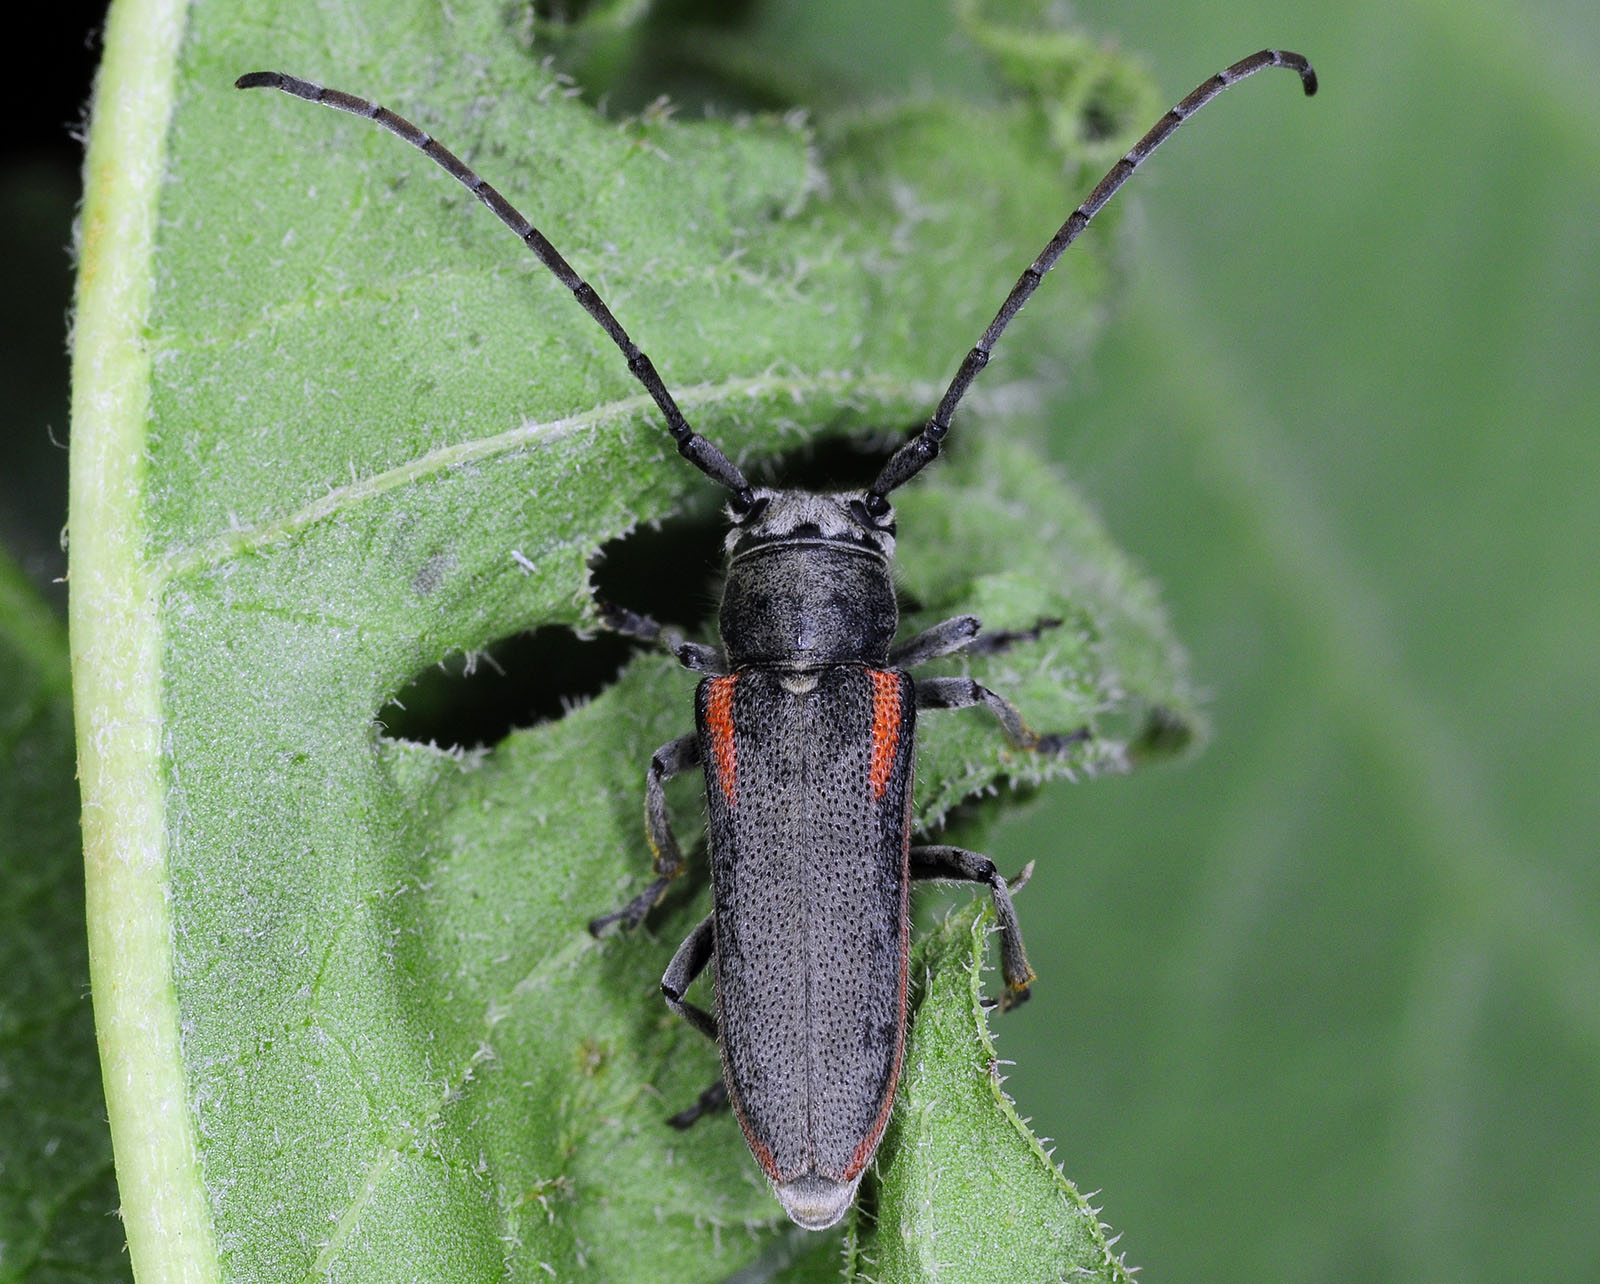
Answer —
719 722
885 728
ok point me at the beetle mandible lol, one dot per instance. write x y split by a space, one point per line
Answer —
805 725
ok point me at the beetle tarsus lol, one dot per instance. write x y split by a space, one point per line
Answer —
1061 742
1013 996
712 1101
1004 639
633 913
696 656
619 619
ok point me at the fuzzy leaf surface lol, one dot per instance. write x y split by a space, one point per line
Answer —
372 434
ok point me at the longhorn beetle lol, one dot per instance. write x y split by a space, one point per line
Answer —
804 728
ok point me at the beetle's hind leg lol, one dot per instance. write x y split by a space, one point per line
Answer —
642 628
688 963
957 864
673 758
964 693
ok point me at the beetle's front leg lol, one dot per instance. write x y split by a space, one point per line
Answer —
961 634
944 638
692 655
957 864
673 758
1004 639
964 693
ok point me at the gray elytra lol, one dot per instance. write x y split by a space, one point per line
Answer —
805 729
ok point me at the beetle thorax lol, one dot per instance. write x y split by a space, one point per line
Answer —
809 582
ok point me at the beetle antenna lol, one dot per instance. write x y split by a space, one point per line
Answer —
922 449
691 445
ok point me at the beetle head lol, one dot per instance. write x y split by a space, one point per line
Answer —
803 517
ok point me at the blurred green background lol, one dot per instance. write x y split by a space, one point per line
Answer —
1334 1013
1337 1012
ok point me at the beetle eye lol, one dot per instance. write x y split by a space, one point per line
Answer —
864 513
752 511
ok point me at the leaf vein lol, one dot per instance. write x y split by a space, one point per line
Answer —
183 561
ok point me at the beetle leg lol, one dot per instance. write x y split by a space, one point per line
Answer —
960 634
688 963
945 638
692 655
671 759
957 864
964 693
1004 639
710 1101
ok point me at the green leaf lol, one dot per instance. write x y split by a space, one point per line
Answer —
57 1196
968 1192
333 427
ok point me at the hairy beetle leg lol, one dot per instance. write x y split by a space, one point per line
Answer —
945 638
964 693
1004 639
961 634
710 1102
688 963
673 758
940 863
696 656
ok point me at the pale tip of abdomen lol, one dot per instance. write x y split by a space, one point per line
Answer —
816 1202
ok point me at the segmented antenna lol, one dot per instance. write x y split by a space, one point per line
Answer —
693 447
921 449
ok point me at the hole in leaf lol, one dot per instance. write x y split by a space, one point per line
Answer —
562 12
1100 121
671 571
467 701
833 463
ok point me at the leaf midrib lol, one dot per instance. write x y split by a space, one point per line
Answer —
187 559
